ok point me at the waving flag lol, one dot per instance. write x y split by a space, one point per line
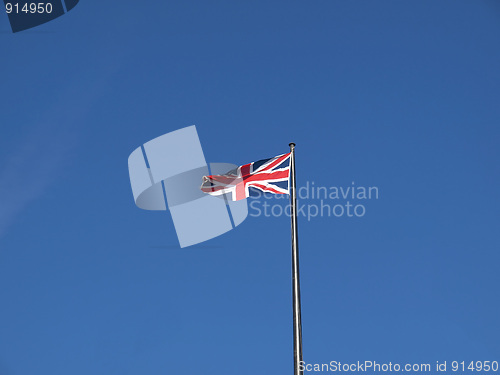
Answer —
268 175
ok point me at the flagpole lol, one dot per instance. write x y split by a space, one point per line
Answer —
297 324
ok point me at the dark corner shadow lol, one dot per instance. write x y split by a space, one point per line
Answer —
31 32
24 15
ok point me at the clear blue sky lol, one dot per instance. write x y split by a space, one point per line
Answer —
402 95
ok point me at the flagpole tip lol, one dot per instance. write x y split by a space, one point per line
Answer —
292 145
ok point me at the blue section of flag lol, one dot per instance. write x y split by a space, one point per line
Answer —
281 184
259 163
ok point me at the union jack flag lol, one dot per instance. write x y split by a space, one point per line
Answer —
268 175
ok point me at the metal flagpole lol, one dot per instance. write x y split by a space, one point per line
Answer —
297 324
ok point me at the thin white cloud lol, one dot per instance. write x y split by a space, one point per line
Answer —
36 161
29 170
39 158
